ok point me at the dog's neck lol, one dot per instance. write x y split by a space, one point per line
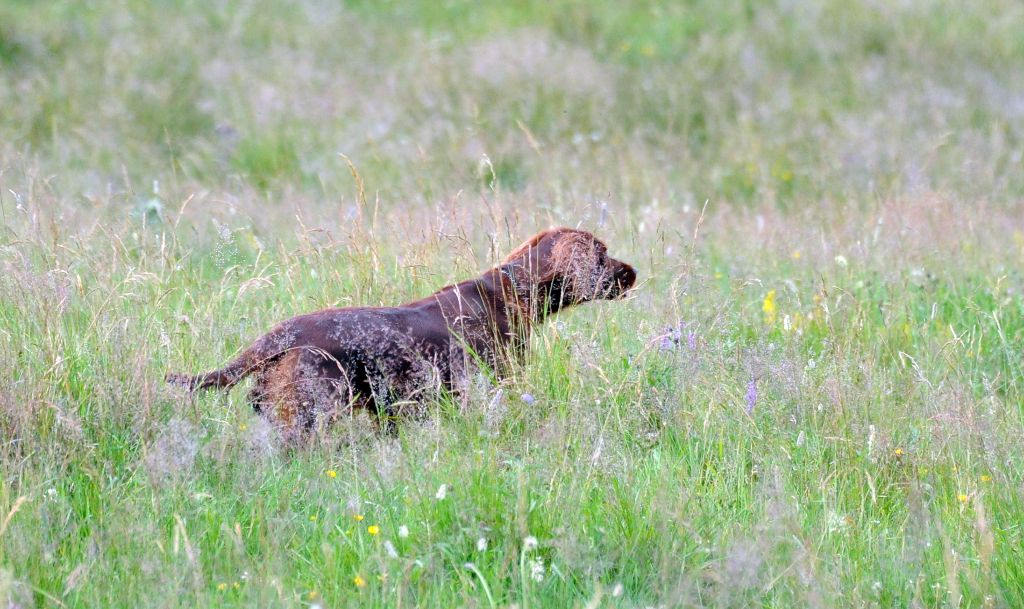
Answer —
502 302
529 302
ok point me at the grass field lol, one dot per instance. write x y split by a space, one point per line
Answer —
812 399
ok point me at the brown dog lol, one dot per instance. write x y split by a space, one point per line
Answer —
330 361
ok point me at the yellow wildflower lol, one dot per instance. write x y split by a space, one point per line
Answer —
795 255
236 585
242 427
358 517
359 581
312 518
332 474
313 595
222 586
373 529
899 452
769 308
986 478
962 498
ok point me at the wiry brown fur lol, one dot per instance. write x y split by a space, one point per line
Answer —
575 256
274 391
318 366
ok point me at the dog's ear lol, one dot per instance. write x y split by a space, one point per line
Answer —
561 255
574 258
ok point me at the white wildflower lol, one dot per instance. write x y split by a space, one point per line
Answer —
537 569
442 492
836 522
530 543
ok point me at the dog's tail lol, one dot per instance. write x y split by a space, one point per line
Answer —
224 378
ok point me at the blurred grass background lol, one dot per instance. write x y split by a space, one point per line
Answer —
813 399
738 102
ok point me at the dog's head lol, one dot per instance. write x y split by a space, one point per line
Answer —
563 267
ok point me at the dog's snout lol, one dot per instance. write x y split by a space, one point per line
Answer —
623 278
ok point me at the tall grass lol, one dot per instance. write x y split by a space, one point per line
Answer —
813 398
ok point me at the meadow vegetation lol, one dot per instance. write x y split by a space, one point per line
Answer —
813 398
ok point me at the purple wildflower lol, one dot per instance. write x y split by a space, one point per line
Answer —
751 395
670 339
527 398
691 341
